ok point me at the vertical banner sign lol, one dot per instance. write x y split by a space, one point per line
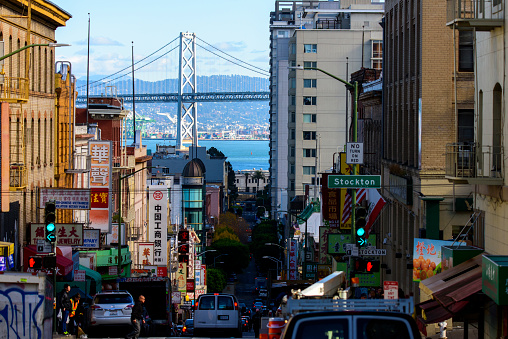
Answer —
158 226
101 153
181 276
197 274
292 260
331 202
145 252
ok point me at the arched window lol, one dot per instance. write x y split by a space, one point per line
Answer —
497 97
39 141
45 141
32 141
10 61
39 70
46 74
18 59
51 146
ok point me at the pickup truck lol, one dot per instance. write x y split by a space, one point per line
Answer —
351 324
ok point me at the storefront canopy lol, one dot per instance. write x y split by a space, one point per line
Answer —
451 291
64 266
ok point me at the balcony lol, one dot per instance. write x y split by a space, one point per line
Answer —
17 176
80 164
484 15
474 164
13 90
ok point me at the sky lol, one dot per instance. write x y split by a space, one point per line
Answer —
237 27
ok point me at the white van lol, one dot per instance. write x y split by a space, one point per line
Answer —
217 313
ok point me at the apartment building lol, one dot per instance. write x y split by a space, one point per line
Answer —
428 106
482 162
28 115
334 40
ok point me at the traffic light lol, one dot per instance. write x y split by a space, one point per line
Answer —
35 263
49 262
49 221
366 266
360 222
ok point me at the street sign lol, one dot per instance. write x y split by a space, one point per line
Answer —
352 252
354 153
391 289
43 246
354 181
372 251
79 275
113 270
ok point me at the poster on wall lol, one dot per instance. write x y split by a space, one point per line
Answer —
427 257
145 252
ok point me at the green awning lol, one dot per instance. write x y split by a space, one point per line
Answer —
95 276
307 212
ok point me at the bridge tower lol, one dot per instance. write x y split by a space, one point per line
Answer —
187 111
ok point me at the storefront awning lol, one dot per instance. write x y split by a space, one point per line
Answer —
307 212
450 291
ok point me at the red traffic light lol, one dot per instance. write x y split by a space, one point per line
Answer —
35 263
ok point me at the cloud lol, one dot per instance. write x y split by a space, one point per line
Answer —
231 46
259 51
99 41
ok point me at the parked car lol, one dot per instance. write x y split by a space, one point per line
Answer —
349 325
217 313
188 328
111 308
246 324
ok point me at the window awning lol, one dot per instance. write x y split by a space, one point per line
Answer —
307 212
450 291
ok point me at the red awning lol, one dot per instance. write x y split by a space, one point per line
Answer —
450 291
64 266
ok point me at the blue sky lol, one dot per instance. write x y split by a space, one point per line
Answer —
238 27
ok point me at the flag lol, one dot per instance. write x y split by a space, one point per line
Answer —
376 203
346 212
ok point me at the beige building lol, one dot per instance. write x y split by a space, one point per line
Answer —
338 41
28 113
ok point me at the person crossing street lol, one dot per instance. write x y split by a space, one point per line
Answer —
137 318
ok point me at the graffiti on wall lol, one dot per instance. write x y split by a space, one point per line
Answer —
20 312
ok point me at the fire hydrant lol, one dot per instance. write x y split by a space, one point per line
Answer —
442 329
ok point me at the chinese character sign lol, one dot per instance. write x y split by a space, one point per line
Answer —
293 267
100 184
181 276
66 234
427 258
145 253
158 225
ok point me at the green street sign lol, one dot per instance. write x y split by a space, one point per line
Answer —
354 181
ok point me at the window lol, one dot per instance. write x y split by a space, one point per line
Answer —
309 118
292 83
225 303
283 34
292 135
292 151
466 125
309 170
466 57
308 135
293 117
292 100
292 185
293 48
311 64
309 83
308 101
310 48
292 169
207 303
377 54
309 152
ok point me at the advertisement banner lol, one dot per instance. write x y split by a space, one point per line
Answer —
113 236
181 276
65 198
337 242
331 202
66 234
100 183
158 222
197 273
293 260
91 238
324 231
145 253
427 257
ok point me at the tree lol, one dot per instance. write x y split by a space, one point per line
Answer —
215 280
238 225
265 232
224 232
237 257
233 190
258 175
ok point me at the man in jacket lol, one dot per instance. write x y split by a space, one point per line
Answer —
256 322
137 318
65 303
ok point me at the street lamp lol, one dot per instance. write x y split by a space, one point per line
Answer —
355 131
32 45
276 260
215 258
283 248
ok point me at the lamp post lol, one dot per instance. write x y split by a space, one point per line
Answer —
215 258
276 260
285 254
305 239
355 130
32 45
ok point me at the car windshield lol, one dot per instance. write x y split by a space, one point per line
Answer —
323 329
113 299
189 322
381 328
207 303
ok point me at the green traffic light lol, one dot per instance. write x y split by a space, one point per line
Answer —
50 227
360 232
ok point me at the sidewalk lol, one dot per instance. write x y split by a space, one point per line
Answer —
60 336
457 333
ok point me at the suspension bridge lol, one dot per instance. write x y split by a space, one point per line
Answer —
160 80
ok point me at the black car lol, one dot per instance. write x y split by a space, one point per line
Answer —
188 328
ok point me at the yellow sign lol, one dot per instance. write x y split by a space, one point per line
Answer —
6 248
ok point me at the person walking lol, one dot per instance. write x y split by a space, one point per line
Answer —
137 318
73 326
65 303
256 322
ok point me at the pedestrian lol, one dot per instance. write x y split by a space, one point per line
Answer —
65 303
73 326
137 318
256 322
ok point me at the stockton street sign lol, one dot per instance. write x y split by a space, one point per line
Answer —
354 181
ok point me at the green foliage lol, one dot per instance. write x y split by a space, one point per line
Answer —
233 190
215 280
225 233
265 232
215 153
237 257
